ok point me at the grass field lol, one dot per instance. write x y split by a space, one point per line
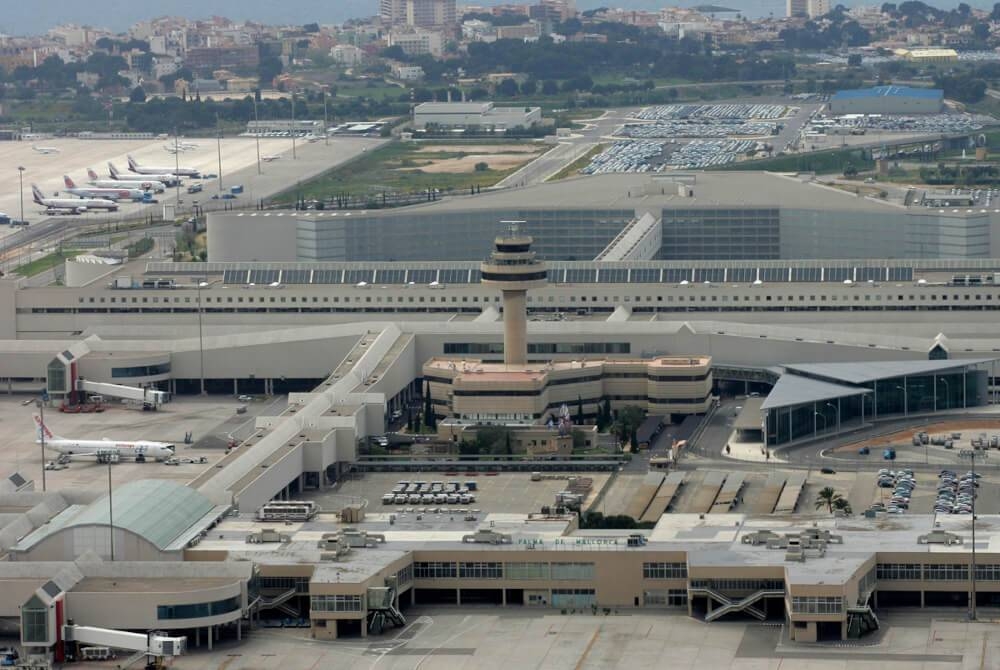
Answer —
821 162
40 265
410 167
573 168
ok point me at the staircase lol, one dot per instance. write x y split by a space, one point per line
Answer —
729 605
861 620
280 603
131 660
386 615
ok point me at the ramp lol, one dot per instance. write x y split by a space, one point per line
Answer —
790 495
727 496
647 491
706 494
768 498
664 497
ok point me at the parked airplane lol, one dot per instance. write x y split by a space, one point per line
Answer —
144 184
138 450
46 150
122 192
148 170
74 205
268 159
165 179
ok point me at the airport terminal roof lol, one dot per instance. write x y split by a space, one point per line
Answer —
792 390
889 92
869 371
164 513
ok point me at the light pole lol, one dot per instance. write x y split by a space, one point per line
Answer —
946 391
20 183
201 339
218 144
971 455
903 389
41 433
256 134
326 122
293 126
822 416
177 168
837 410
111 514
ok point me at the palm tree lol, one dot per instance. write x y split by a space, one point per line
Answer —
841 504
828 498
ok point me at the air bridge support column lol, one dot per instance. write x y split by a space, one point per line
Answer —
208 631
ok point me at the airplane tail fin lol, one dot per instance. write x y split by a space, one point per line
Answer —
92 175
132 165
37 194
41 428
69 182
112 170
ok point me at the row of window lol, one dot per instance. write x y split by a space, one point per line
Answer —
731 585
337 603
497 570
665 598
664 571
817 604
930 572
198 610
465 348
300 584
141 371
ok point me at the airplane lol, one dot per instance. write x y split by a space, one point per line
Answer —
75 205
268 159
145 185
165 179
136 450
46 150
180 146
122 192
147 170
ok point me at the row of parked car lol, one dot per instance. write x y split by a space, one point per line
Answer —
698 128
955 495
725 111
902 483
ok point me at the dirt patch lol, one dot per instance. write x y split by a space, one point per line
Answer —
468 163
969 428
479 148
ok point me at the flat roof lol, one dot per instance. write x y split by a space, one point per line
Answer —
889 92
749 416
868 371
150 584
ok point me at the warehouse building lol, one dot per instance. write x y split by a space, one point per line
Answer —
888 100
482 115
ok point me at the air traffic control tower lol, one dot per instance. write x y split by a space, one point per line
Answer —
514 269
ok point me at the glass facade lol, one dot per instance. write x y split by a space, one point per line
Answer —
34 621
141 371
198 610
721 233
338 603
527 571
665 598
664 571
817 604
573 598
568 571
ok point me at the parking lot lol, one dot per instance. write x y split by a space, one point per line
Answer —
512 492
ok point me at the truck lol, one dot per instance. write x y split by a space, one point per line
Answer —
236 190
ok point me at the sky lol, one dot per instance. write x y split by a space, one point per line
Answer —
23 18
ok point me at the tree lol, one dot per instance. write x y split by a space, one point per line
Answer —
854 60
430 420
995 14
138 94
579 411
981 31
482 166
850 171
507 88
529 87
842 505
605 414
629 419
269 68
550 87
827 497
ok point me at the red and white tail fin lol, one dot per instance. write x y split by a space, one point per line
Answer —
37 194
92 175
69 182
41 428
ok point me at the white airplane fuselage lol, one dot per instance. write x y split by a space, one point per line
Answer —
141 185
141 450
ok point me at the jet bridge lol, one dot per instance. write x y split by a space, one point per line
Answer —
157 645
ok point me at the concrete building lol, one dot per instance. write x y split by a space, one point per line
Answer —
347 54
731 216
796 8
818 8
430 13
474 114
404 72
929 56
417 42
888 100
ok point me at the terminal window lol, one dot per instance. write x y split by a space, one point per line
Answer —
664 571
817 604
335 603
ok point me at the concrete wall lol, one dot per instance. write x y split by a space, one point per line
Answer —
238 237
130 610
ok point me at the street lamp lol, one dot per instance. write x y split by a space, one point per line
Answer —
218 144
326 122
293 126
837 410
972 455
201 339
256 134
41 433
20 182
822 416
946 390
903 389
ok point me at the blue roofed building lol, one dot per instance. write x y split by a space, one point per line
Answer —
888 100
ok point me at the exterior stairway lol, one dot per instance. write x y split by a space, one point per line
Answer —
729 605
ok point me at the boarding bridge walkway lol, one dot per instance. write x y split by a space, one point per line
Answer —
791 494
729 493
729 605
664 497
